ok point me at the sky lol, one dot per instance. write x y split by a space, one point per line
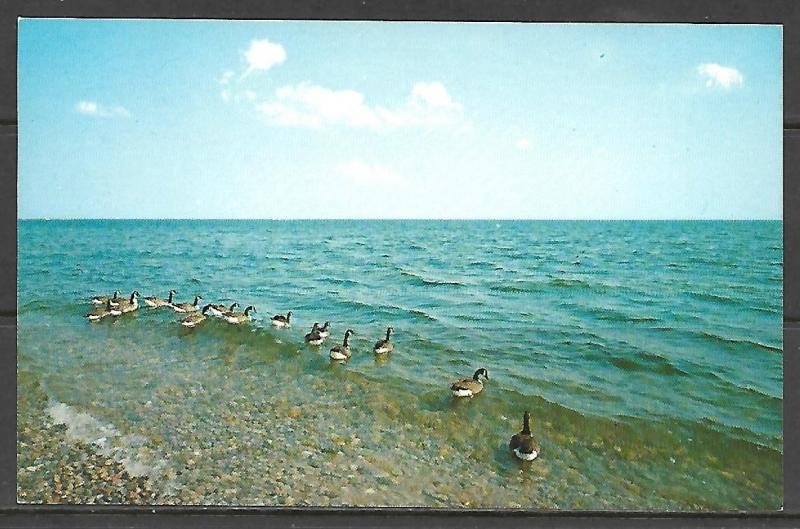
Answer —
318 120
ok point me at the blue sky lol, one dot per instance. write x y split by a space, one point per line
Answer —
227 119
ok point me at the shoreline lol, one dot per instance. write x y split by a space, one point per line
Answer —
55 468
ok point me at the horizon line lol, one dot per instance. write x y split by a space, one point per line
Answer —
499 219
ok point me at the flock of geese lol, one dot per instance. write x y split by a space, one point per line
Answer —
522 444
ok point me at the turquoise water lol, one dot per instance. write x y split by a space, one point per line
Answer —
649 355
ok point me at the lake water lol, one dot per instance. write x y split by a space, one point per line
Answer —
648 353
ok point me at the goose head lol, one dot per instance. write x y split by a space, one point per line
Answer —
480 373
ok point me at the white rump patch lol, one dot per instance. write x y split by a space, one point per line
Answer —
526 457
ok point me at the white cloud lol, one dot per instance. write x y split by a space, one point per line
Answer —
263 55
92 108
523 144
308 105
364 173
722 76
226 78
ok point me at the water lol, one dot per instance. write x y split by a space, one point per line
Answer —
649 355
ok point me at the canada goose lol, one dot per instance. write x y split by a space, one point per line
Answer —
101 312
219 310
195 319
342 352
102 300
155 302
239 317
129 305
522 444
280 320
384 346
469 386
314 337
187 307
325 330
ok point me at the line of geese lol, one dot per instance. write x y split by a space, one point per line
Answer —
522 444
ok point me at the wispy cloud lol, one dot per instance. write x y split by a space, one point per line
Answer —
523 144
263 55
92 108
720 76
361 172
308 105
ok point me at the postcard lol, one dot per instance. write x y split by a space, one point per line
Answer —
396 264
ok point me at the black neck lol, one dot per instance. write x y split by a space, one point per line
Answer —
196 299
132 296
526 427
170 297
346 339
388 333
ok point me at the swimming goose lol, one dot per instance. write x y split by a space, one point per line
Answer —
220 310
155 302
192 320
325 330
469 387
101 312
342 352
187 307
102 300
129 305
385 346
522 444
280 320
314 337
239 317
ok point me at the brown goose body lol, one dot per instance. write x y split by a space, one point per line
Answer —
237 318
219 310
103 300
522 444
101 312
315 336
187 307
193 320
279 320
385 345
325 330
469 387
342 352
156 302
129 305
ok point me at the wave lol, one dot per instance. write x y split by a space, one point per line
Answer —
717 298
430 282
727 341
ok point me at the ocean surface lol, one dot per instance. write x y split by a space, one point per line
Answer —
648 353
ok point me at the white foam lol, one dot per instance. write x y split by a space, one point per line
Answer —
106 438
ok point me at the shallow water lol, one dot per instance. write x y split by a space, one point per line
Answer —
649 355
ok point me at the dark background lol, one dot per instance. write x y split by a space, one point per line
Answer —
786 12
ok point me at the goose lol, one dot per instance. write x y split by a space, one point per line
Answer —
192 320
279 320
384 346
129 305
314 337
342 352
102 300
101 312
522 444
239 317
325 330
469 387
155 302
187 307
219 310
